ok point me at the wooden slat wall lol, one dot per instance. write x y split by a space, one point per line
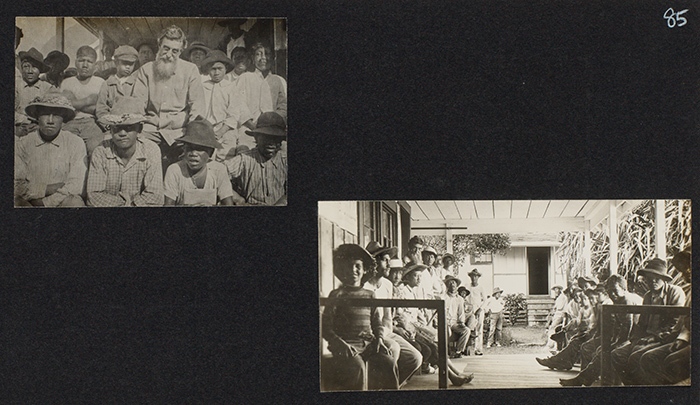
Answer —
330 236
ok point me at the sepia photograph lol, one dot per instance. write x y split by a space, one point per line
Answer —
425 295
150 111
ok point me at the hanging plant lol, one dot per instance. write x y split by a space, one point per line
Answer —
470 245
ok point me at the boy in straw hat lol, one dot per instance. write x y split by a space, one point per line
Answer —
125 170
355 334
225 108
651 330
50 162
120 83
259 176
195 180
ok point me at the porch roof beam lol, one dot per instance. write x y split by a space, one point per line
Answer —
476 226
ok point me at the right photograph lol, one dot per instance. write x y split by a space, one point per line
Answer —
493 294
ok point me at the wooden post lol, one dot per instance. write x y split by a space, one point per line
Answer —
660 229
442 345
60 35
612 233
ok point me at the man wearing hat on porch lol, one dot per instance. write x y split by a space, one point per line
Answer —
195 180
224 106
32 65
196 53
50 163
259 176
651 330
455 317
494 306
557 315
477 299
432 279
410 359
125 171
119 84
448 263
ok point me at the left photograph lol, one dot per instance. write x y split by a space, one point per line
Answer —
150 111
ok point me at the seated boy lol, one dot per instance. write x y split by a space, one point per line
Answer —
32 65
82 91
118 84
224 106
50 162
125 170
355 334
195 180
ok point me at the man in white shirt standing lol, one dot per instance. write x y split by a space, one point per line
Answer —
476 299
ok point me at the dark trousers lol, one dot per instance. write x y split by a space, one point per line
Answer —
625 360
663 366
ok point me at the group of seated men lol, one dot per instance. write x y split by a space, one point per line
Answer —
171 132
394 342
647 349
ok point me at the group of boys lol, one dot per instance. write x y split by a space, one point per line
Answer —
171 132
647 349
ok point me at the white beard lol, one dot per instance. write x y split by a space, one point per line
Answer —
164 70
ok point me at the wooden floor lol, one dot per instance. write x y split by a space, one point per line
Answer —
498 371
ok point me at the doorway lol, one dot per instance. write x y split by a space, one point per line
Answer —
538 270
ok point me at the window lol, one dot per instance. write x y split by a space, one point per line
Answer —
482 258
378 221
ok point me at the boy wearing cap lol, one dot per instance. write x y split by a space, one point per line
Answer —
82 91
32 65
125 171
652 330
195 180
119 84
355 334
224 106
50 162
259 176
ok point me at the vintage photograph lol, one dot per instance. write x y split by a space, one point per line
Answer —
493 294
150 111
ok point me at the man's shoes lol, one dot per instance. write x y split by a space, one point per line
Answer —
479 353
488 345
457 355
554 363
428 369
498 344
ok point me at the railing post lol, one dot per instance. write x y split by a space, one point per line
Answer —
442 344
606 373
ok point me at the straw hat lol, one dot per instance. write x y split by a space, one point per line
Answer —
217 56
451 278
126 111
655 268
51 100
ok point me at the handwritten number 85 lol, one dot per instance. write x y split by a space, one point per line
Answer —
673 19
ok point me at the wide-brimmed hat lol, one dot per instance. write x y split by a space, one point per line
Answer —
195 45
58 60
375 249
463 288
586 279
450 255
496 291
270 123
431 250
655 268
557 286
351 251
200 133
127 53
217 56
52 100
450 278
474 272
126 111
36 57
413 268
